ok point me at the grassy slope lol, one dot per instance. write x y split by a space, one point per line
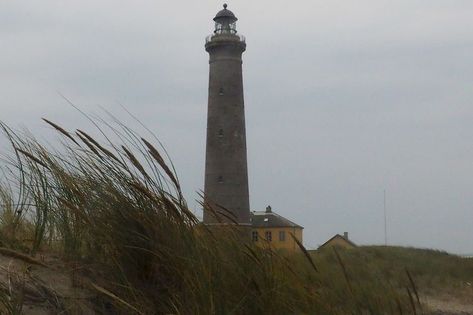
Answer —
434 272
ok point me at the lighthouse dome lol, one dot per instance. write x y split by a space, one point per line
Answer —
225 14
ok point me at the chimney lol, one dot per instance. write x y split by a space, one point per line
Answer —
268 209
345 235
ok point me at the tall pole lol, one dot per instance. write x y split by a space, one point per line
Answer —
385 220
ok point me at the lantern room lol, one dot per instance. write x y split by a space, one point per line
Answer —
225 22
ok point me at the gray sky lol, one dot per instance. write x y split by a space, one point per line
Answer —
343 100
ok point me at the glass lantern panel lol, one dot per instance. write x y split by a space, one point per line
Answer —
225 28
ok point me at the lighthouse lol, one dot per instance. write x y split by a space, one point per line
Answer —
226 171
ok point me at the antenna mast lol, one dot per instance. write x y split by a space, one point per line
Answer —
385 221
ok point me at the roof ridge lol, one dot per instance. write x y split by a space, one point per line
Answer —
338 235
271 219
285 219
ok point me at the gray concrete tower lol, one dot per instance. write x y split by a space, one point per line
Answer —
226 173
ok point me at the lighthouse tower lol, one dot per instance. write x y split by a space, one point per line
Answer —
226 173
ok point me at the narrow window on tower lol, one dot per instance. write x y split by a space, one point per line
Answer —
220 92
220 133
220 179
254 236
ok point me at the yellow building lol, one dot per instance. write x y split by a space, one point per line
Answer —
269 228
338 241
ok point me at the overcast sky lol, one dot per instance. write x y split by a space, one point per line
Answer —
344 99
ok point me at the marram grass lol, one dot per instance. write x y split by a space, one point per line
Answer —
116 209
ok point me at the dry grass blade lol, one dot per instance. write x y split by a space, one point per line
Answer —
414 288
411 300
89 145
231 218
135 162
14 254
399 306
304 250
101 148
227 214
218 211
182 207
139 187
252 254
172 208
115 298
155 154
344 269
209 207
33 158
61 130
78 212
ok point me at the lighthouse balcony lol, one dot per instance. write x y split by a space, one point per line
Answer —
225 37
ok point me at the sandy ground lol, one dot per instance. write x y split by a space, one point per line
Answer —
448 305
43 289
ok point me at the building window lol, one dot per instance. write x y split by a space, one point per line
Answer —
282 236
220 133
220 92
268 235
254 236
220 179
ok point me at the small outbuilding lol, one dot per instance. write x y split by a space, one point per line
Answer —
339 241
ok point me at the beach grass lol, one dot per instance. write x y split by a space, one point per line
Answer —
115 209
